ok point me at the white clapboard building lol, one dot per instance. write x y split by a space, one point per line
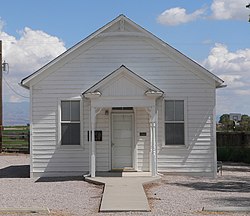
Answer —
122 98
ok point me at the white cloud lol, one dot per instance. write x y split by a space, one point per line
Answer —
222 61
31 51
233 68
243 92
25 55
229 9
220 10
233 81
177 15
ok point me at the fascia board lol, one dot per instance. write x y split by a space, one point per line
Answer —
26 80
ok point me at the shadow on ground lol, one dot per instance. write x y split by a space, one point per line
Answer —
243 168
15 171
109 174
221 186
232 201
60 179
78 178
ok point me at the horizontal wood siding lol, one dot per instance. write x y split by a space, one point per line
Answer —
49 158
197 156
142 142
102 147
88 67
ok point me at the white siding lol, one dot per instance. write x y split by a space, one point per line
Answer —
88 67
142 142
49 158
103 147
197 156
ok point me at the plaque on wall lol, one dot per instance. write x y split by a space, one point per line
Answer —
143 134
98 135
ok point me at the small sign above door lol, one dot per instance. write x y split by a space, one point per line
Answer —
143 134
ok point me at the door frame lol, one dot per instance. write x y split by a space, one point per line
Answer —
122 112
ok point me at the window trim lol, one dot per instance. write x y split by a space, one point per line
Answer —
185 99
59 128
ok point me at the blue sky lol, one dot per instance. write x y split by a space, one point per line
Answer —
215 33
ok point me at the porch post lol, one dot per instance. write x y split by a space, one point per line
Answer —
153 140
93 147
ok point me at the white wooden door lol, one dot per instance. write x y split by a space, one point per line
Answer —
122 138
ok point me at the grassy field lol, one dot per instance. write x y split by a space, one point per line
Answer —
16 139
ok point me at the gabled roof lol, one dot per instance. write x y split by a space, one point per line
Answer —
125 72
140 31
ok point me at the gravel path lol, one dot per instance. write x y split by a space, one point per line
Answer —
64 196
173 195
180 195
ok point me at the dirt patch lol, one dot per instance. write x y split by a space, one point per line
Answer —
151 197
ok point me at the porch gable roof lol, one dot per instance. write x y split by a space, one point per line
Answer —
123 81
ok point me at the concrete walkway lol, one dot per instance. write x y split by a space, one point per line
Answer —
123 193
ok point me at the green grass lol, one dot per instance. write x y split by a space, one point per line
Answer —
15 138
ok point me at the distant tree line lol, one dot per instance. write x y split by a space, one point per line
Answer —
225 124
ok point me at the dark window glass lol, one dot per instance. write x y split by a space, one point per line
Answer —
174 133
174 110
174 122
70 134
70 125
65 109
122 108
169 110
75 111
179 110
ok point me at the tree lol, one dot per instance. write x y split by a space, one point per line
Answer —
245 123
227 124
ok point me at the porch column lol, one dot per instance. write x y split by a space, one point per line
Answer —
92 150
94 111
93 147
153 141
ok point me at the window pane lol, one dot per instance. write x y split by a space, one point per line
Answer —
65 131
179 134
169 110
75 110
70 134
65 111
174 133
179 110
75 134
169 134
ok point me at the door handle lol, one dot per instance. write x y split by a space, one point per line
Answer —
112 144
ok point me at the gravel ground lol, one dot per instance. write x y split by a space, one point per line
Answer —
173 195
63 196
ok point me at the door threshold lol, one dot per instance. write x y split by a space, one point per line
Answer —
116 170
125 169
129 169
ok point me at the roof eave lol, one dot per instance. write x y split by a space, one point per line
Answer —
221 86
24 84
164 44
70 50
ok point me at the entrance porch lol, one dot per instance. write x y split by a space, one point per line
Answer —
128 103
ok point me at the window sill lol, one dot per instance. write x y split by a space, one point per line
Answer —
70 147
174 147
